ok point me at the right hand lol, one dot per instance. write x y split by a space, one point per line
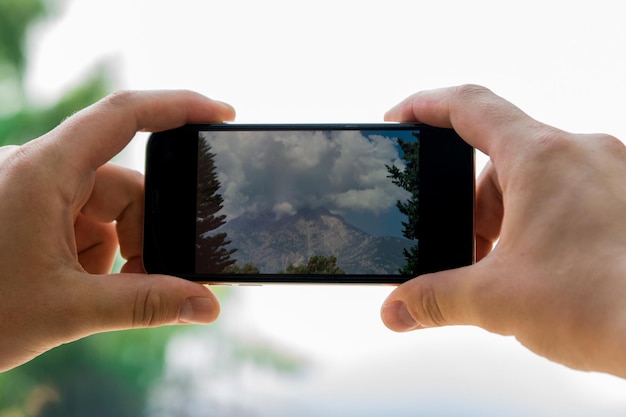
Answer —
556 204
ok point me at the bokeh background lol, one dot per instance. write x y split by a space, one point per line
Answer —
307 350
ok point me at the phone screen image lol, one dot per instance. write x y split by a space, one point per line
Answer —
336 202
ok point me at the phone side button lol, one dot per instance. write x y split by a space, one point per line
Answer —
154 202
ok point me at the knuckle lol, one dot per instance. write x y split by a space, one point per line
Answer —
25 162
135 185
549 145
136 177
552 145
119 98
427 311
470 92
7 152
610 143
149 309
127 177
552 142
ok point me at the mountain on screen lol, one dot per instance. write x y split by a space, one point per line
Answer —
272 243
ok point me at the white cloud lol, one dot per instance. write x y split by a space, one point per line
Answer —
284 208
286 171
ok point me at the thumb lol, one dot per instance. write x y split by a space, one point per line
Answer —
124 301
432 300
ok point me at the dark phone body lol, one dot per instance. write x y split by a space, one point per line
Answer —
314 203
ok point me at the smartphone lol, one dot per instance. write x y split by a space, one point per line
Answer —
307 203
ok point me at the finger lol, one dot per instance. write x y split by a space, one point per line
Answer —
489 211
483 119
134 265
470 295
427 301
96 244
99 132
117 195
125 301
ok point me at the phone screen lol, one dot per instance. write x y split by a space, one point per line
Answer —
330 203
307 202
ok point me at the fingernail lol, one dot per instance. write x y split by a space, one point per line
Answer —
197 310
396 316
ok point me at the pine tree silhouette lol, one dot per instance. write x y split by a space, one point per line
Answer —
212 256
408 179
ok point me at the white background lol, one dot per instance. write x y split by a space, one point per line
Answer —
330 60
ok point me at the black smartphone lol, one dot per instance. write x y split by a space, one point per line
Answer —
307 203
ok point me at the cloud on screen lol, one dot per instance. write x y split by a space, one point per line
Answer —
286 171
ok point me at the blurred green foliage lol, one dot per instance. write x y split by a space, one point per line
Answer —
102 375
16 16
20 118
108 374
30 122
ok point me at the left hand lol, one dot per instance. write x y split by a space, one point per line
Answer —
63 212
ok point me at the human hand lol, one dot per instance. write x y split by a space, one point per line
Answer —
63 212
556 279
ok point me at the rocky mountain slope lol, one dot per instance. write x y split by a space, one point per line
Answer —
272 243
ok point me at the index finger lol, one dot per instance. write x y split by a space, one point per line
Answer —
100 131
483 119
